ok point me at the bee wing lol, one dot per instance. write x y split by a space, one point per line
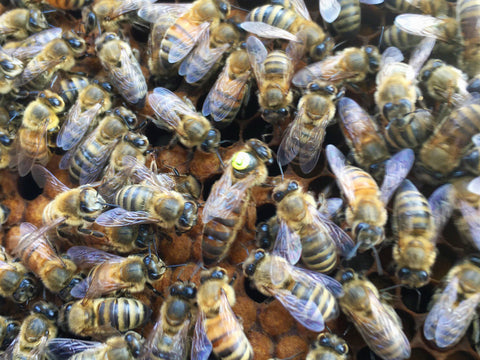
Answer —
329 9
152 12
166 104
63 348
371 2
35 68
396 170
267 31
26 161
290 145
96 284
441 204
127 6
311 149
232 88
121 217
86 257
300 8
136 171
391 55
201 60
34 44
474 186
343 242
472 218
128 75
76 125
181 47
421 25
257 53
201 345
42 176
314 279
336 160
179 340
440 308
96 165
421 53
333 206
456 318
287 243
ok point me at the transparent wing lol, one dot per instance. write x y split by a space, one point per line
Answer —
311 149
396 170
329 9
336 160
257 53
167 105
267 31
421 53
63 348
127 6
128 76
441 204
181 47
471 216
137 172
35 68
391 55
333 207
300 8
312 279
371 2
290 145
152 12
86 257
474 186
201 345
121 217
42 177
421 25
34 44
26 159
287 243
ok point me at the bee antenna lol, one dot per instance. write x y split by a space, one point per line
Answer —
377 260
328 329
155 291
197 269
246 249
353 252
175 265
380 39
347 330
219 157
180 273
392 287
281 170
238 8
48 11
107 204
339 44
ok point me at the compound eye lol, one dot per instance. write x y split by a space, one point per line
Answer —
324 340
278 196
330 89
320 50
422 275
426 74
283 111
361 227
341 349
347 276
259 255
313 87
250 270
404 273
292 186
54 101
387 108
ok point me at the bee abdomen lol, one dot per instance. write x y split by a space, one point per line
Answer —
348 21
177 33
393 36
217 235
228 344
319 253
325 301
274 15
133 197
122 314
84 160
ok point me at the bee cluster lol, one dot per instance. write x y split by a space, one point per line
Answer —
190 208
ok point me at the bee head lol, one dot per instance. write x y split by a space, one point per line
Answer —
250 265
368 235
135 343
188 218
36 21
413 278
48 310
211 141
155 267
282 191
26 290
336 344
216 273
346 276
374 57
187 291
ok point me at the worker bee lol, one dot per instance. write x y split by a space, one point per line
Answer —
103 316
455 306
174 114
274 72
86 161
69 87
92 101
15 282
416 223
36 330
277 21
328 346
123 69
109 273
362 136
305 231
226 206
351 65
169 337
37 254
444 83
39 120
376 321
132 145
6 149
308 296
122 347
8 331
71 208
10 68
19 23
126 239
366 214
230 90
468 16
397 93
217 327
304 136
58 54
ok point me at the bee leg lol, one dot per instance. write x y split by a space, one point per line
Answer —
172 142
86 231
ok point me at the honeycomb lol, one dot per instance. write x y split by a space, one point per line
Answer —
271 330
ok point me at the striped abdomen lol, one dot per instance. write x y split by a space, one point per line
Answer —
274 15
68 4
134 197
364 186
178 33
70 88
277 65
319 252
122 314
33 145
219 234
393 36
401 6
348 21
410 132
468 11
228 343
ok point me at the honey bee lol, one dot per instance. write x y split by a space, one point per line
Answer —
274 72
123 69
92 101
444 83
8 331
274 21
86 161
71 208
127 239
328 346
376 321
366 214
362 136
121 347
10 68
103 316
351 65
169 337
217 327
39 120
226 207
174 114
305 231
304 136
58 54
15 282
455 306
6 148
133 145
19 23
230 90
69 87
308 296
397 93
38 255
36 330
416 223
